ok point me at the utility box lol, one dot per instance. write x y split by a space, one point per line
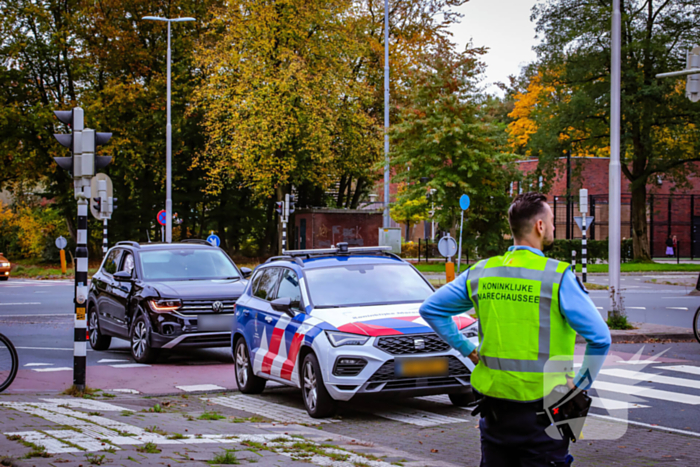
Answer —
390 236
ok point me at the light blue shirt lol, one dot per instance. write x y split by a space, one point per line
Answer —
574 303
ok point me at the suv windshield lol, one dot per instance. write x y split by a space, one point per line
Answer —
187 264
366 284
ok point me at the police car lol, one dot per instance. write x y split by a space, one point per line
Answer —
342 322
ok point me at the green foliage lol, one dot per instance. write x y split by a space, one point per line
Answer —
211 416
448 136
410 207
149 448
225 458
619 322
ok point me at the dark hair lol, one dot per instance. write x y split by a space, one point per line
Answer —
524 209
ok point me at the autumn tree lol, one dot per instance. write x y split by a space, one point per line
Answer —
447 136
410 207
566 101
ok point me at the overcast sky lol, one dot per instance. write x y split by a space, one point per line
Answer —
504 27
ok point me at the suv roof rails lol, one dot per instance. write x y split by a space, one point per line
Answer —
340 249
199 241
130 243
284 258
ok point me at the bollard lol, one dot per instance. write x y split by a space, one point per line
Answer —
63 261
449 271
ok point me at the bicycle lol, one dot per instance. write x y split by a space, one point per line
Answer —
696 325
9 362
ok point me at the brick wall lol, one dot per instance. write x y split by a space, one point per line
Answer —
321 228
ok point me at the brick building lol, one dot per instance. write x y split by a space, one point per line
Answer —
670 210
323 227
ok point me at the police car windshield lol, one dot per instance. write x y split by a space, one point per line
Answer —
186 264
365 284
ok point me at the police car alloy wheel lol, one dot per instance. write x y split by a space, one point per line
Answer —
318 403
97 340
246 381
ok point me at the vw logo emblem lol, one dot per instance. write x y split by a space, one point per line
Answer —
419 344
217 306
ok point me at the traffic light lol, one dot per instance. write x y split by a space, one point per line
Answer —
82 143
692 84
279 207
292 202
97 204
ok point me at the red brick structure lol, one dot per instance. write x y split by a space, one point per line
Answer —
670 210
323 227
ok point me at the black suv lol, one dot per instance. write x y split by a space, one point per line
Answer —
164 295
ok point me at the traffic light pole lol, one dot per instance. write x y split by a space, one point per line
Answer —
285 219
81 281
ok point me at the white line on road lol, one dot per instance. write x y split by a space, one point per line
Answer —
61 368
676 308
201 387
131 365
646 425
612 404
111 360
45 348
126 391
413 416
693 370
636 308
38 364
267 409
20 303
647 392
653 378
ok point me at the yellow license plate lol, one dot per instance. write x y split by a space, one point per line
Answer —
421 367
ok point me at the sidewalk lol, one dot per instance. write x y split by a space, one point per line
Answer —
645 332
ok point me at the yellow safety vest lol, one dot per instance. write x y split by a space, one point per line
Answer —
526 346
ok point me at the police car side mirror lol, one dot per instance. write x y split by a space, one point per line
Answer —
283 305
246 272
123 276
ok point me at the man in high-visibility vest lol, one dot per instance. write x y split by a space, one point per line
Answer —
529 309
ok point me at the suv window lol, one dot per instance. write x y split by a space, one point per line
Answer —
128 263
289 287
264 286
112 262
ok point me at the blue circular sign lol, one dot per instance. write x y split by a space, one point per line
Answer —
464 202
214 240
162 217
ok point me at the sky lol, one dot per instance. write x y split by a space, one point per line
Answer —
504 27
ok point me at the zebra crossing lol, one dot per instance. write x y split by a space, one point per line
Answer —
616 391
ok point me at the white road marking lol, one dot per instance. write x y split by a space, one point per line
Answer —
612 404
635 362
647 392
599 307
201 387
61 368
79 439
414 416
52 445
277 412
20 303
38 364
130 365
646 425
44 348
636 308
126 391
112 360
693 370
676 308
653 378
87 404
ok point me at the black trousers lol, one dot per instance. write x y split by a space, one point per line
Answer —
516 438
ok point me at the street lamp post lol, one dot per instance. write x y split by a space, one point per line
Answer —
168 138
386 217
615 169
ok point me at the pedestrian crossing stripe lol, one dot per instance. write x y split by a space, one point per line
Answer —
645 392
652 378
693 370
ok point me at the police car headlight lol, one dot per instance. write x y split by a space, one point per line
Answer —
343 338
471 331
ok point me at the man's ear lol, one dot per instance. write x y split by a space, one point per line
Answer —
539 226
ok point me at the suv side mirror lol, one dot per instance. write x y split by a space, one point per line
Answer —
123 276
246 272
283 305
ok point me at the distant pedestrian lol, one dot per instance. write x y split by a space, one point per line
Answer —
670 244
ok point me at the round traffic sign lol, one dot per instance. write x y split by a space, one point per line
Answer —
447 247
61 242
214 240
464 202
162 217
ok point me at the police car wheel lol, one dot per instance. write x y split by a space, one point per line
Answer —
141 349
318 403
247 382
462 400
696 325
97 340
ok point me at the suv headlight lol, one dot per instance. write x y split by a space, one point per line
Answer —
165 305
343 338
471 331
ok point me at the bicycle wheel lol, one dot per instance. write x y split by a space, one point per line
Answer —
9 363
696 325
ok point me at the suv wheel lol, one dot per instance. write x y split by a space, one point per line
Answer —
246 380
141 350
97 340
318 403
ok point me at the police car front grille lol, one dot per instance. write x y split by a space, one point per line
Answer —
205 306
411 345
386 371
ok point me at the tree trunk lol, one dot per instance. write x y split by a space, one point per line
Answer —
358 192
640 242
341 191
408 231
348 196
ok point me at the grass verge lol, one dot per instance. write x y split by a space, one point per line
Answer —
624 267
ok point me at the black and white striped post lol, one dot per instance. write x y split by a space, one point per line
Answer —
583 207
81 282
105 245
285 219
573 261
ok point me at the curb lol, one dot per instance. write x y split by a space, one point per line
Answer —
637 338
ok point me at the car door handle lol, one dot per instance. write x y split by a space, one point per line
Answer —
268 319
246 312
